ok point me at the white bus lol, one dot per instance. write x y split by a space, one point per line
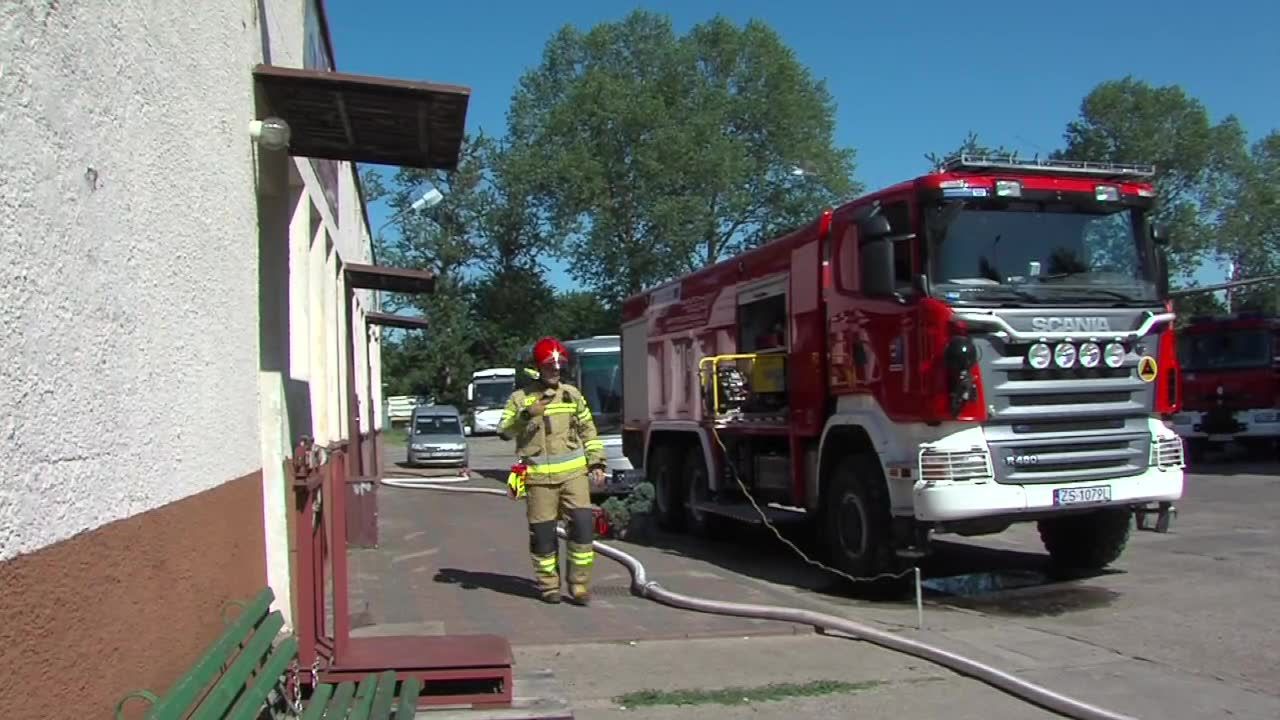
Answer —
486 397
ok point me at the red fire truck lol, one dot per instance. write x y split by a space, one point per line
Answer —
1231 382
987 344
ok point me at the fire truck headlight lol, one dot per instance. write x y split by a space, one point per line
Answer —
1039 356
1113 355
1090 354
1064 355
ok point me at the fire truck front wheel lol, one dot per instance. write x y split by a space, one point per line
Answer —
1087 542
856 521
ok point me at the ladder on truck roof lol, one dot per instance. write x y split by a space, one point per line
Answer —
980 163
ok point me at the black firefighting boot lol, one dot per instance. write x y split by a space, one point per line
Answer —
544 550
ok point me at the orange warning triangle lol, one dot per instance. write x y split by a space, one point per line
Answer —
1147 368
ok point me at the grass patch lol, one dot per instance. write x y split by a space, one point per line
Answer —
398 435
741 695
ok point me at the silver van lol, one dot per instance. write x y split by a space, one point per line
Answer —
436 439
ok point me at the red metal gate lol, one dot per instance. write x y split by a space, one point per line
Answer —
454 669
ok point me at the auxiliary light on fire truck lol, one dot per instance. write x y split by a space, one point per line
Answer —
1039 356
1090 354
1008 188
1064 355
1113 355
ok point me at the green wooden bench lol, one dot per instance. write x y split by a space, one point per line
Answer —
236 675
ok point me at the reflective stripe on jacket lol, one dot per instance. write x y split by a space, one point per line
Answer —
561 440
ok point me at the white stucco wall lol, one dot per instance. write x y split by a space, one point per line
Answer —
129 343
319 240
130 371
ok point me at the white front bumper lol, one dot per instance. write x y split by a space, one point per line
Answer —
966 500
981 496
486 421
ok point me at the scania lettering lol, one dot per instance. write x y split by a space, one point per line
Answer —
952 354
1069 324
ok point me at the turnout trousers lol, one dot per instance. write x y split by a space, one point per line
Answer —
566 496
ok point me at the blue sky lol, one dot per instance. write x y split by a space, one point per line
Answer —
909 78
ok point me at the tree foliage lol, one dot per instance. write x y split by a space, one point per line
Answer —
651 154
1196 161
971 146
637 154
1249 234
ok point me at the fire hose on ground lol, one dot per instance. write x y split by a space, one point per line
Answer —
651 590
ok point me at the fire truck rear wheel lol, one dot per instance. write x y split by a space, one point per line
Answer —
667 489
698 522
856 520
1087 542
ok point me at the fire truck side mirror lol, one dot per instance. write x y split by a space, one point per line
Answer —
1159 234
874 227
876 256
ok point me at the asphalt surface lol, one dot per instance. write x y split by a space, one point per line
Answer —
1183 625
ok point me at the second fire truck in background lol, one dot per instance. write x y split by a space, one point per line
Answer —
1231 382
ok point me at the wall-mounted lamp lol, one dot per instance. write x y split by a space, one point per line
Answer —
272 133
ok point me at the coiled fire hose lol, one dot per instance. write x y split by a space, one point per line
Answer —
651 590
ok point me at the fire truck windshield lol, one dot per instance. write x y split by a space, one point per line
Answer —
1227 350
1038 252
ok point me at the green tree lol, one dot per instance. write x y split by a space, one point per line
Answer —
582 314
1199 304
1128 120
650 154
971 146
1249 234
451 241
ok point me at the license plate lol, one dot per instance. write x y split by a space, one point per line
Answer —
1076 496
1220 438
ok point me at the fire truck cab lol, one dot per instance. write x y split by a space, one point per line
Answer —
987 344
1231 381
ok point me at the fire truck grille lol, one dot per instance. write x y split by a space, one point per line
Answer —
1070 460
1063 425
1019 394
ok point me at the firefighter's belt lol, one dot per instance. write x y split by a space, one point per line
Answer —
556 464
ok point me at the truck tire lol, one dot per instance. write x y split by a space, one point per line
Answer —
697 490
668 491
856 523
1087 542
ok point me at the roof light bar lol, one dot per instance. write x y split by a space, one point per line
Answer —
1074 167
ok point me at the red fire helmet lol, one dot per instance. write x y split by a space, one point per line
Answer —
550 351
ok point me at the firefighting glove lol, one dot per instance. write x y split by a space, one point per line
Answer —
537 408
515 485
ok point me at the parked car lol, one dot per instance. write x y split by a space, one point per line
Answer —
436 439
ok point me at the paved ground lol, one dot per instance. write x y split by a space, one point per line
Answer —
1182 626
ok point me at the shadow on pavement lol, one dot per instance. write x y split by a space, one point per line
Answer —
958 574
495 582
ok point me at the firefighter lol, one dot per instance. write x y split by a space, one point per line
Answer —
556 443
